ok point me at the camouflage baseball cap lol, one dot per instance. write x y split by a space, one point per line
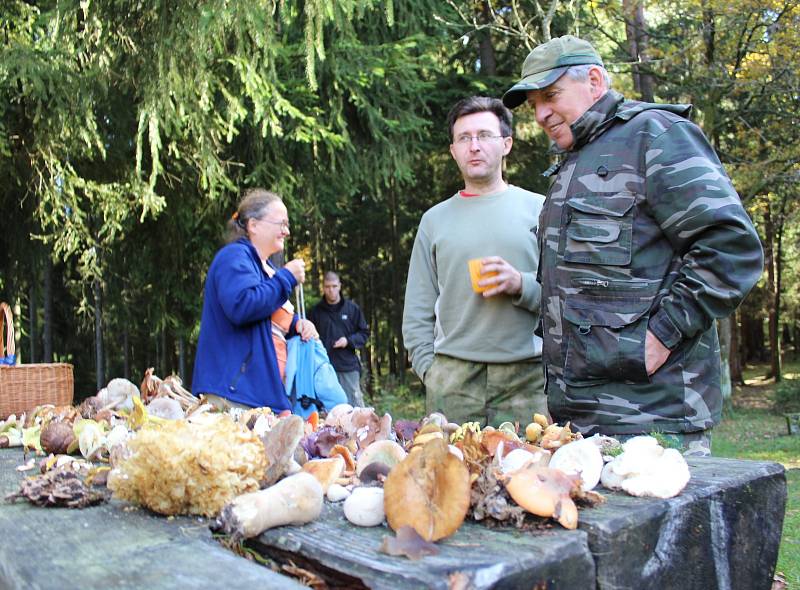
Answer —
546 64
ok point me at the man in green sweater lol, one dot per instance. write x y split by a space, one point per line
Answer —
476 352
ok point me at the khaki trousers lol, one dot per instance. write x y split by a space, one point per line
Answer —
489 393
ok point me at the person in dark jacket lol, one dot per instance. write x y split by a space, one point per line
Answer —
236 363
343 330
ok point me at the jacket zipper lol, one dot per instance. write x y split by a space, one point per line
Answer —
610 284
242 369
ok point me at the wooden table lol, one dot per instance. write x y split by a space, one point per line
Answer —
114 547
722 532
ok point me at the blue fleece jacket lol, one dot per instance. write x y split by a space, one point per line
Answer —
235 354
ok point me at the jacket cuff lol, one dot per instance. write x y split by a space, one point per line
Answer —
665 330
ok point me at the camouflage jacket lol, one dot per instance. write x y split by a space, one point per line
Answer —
641 229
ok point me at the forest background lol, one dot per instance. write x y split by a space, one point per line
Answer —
129 128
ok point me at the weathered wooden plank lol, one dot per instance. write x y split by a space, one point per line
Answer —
347 556
108 546
722 532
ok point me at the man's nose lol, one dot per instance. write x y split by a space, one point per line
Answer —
541 113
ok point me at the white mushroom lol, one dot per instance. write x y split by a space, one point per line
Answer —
646 469
337 493
118 394
165 407
519 458
364 507
580 457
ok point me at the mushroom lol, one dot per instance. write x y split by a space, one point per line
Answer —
56 437
645 468
387 452
294 500
337 493
582 458
326 471
429 490
519 458
364 506
343 452
165 407
545 492
280 444
555 436
337 414
118 394
533 432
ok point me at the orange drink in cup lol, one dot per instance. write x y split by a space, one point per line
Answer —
475 275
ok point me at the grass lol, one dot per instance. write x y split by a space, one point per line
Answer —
750 429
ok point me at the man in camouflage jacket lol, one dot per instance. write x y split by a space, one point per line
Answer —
644 243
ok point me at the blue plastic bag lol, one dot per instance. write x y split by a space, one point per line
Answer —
311 381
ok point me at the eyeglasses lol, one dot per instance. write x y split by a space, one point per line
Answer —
284 224
482 138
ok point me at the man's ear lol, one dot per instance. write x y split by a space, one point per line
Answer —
507 143
597 82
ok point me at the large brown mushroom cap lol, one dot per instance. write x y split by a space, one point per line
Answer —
429 490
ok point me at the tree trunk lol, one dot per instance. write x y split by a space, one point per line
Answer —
776 294
769 258
724 329
735 359
397 359
182 358
636 33
47 336
126 357
98 335
32 312
486 48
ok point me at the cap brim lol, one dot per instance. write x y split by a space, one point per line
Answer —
518 93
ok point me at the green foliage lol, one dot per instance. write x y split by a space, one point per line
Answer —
787 396
127 130
401 401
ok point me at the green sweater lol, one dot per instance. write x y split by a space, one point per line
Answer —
442 314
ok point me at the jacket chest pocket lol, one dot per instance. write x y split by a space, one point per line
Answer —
599 228
605 340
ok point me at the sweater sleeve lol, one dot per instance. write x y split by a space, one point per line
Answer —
245 293
419 315
701 215
530 297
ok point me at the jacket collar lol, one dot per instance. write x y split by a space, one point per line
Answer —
251 250
595 120
332 306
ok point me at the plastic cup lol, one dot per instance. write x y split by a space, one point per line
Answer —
475 275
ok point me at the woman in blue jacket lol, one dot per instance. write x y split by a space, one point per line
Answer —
236 363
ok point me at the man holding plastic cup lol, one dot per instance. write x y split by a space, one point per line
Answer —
472 300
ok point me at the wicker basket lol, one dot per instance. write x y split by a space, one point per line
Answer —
23 387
